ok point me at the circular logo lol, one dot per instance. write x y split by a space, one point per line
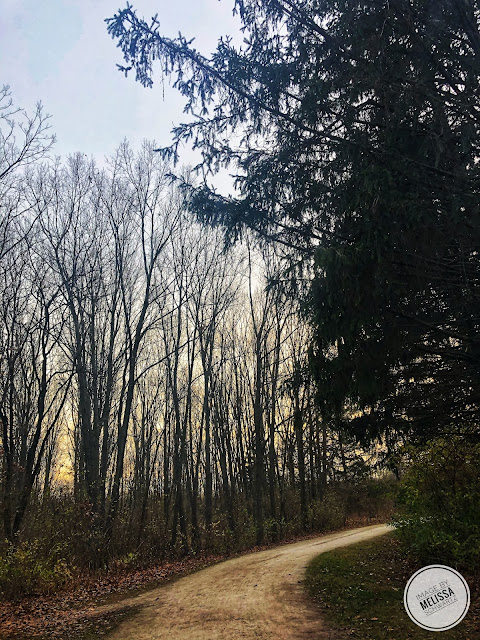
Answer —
437 597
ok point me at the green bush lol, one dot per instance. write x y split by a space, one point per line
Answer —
438 519
366 498
24 570
328 513
371 497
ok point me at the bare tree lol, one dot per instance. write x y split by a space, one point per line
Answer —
33 383
148 224
25 140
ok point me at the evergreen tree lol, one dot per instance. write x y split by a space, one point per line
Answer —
351 127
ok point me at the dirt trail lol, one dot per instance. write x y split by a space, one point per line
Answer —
259 595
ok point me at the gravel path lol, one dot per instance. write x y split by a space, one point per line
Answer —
259 595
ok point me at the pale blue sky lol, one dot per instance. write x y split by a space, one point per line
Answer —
59 52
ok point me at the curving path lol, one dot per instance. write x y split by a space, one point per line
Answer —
259 595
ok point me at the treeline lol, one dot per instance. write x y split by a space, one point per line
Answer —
155 392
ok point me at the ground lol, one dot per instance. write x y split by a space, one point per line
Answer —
254 595
359 592
259 595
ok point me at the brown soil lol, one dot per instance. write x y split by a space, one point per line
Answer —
259 595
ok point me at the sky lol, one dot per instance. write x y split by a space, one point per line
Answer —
58 52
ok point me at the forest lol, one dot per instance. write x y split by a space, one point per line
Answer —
184 370
156 397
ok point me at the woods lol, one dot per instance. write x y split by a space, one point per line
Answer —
190 366
155 392
351 130
358 148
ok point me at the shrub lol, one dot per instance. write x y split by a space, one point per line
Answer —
438 519
328 513
24 570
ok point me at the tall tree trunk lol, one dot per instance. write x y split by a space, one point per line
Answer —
259 447
298 428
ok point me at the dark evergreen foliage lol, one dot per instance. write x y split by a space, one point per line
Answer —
352 129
